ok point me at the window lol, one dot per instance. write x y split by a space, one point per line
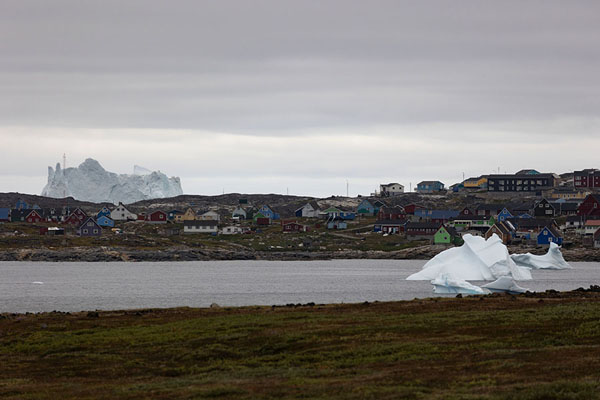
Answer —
85 231
95 230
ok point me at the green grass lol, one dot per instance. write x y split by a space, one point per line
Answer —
494 348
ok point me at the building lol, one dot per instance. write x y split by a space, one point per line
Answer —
390 226
446 235
89 227
309 210
544 209
105 222
104 211
590 206
587 178
505 231
466 222
365 208
4 214
171 215
489 210
521 183
293 226
188 215
437 216
209 215
549 235
193 226
268 212
391 213
238 213
232 230
337 223
430 187
591 226
157 217
34 217
390 189
421 230
475 183
121 213
566 193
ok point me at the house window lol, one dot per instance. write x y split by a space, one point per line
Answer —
85 231
95 230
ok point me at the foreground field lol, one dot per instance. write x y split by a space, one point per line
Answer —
544 346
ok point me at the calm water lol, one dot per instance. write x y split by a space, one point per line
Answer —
39 286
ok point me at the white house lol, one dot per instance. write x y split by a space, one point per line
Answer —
309 210
390 189
200 226
122 214
239 213
209 216
232 230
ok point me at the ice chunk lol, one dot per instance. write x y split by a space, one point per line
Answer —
553 259
37 283
505 284
477 259
446 284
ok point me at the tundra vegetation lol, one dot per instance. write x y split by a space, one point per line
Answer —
534 346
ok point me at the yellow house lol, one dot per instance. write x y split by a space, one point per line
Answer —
476 183
189 215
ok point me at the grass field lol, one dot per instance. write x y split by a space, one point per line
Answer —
545 346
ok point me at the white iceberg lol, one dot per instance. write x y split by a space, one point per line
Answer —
553 259
446 284
477 259
504 284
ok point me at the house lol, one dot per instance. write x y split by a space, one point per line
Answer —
520 208
466 212
438 216
121 213
193 226
421 230
390 226
171 215
293 226
446 235
391 213
489 209
587 178
365 208
209 216
52 231
232 230
430 187
157 217
17 215
591 226
268 212
34 217
141 217
105 221
543 209
188 215
475 183
76 217
21 205
52 214
528 172
521 182
411 208
260 219
574 222
104 211
390 189
590 206
89 227
337 223
505 231
529 228
549 235
504 215
596 239
309 210
567 193
333 212
479 222
238 213
4 214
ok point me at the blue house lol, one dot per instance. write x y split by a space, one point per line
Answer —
172 214
504 215
548 235
430 186
365 208
21 205
268 212
103 212
105 221
4 214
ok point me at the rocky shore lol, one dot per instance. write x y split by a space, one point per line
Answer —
105 254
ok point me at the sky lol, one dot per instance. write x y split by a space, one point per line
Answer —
299 97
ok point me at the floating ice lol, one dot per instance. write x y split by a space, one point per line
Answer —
553 259
445 283
477 259
504 284
37 283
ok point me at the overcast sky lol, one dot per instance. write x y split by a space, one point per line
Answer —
271 96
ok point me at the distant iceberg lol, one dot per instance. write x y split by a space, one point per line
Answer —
91 182
477 259
553 259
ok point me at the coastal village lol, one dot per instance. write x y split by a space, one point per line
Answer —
528 207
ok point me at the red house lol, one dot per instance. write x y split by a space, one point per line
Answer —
294 227
590 206
391 213
34 217
76 217
411 208
157 217
467 212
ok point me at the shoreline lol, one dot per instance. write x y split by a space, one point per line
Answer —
114 254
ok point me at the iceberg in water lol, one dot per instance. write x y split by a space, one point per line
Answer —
477 259
446 284
504 284
553 259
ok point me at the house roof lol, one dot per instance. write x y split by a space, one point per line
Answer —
502 227
592 222
428 182
566 206
86 220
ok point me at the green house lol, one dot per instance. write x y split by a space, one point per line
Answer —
446 235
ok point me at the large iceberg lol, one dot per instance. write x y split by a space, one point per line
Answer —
504 284
553 259
447 284
91 182
477 259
